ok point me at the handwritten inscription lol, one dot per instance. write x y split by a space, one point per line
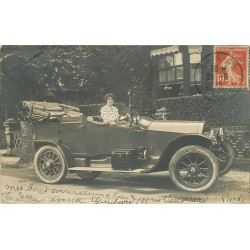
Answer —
133 199
48 194
232 198
28 197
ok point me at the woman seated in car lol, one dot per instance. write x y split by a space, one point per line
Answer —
109 113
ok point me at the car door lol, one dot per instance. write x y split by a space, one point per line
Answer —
73 135
104 139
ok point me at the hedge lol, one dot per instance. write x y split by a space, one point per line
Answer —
235 111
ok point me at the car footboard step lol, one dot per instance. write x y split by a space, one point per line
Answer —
105 169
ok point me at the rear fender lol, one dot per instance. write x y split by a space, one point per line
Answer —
68 157
175 145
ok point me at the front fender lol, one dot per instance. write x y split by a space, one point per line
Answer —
176 144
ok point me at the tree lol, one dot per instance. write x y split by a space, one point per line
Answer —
29 72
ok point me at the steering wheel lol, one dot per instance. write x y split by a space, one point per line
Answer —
125 114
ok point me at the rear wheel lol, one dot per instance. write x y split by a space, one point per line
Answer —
88 175
50 165
193 168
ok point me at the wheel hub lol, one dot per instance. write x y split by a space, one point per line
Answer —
48 164
193 169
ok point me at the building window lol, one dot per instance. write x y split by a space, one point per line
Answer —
162 76
170 69
179 73
170 76
195 72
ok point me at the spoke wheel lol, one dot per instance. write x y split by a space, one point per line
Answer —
88 175
193 168
50 165
225 155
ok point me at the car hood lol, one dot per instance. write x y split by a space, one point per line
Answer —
187 127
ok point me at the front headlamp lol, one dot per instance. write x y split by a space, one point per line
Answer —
220 135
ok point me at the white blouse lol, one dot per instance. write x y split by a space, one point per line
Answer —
109 113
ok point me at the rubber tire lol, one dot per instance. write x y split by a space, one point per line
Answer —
90 177
193 149
64 170
229 166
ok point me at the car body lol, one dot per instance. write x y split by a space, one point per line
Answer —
66 140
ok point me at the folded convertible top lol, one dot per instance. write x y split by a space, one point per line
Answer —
40 111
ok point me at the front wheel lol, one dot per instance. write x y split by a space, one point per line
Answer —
193 168
50 165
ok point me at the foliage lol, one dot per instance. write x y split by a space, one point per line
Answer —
215 113
39 72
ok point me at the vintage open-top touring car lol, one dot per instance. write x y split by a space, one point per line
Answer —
66 140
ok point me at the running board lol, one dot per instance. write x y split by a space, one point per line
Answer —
105 169
104 165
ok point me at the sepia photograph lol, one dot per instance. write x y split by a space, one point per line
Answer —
95 124
124 125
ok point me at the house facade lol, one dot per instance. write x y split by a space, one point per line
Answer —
189 70
209 83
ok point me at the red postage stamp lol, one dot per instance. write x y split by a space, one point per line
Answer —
231 67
